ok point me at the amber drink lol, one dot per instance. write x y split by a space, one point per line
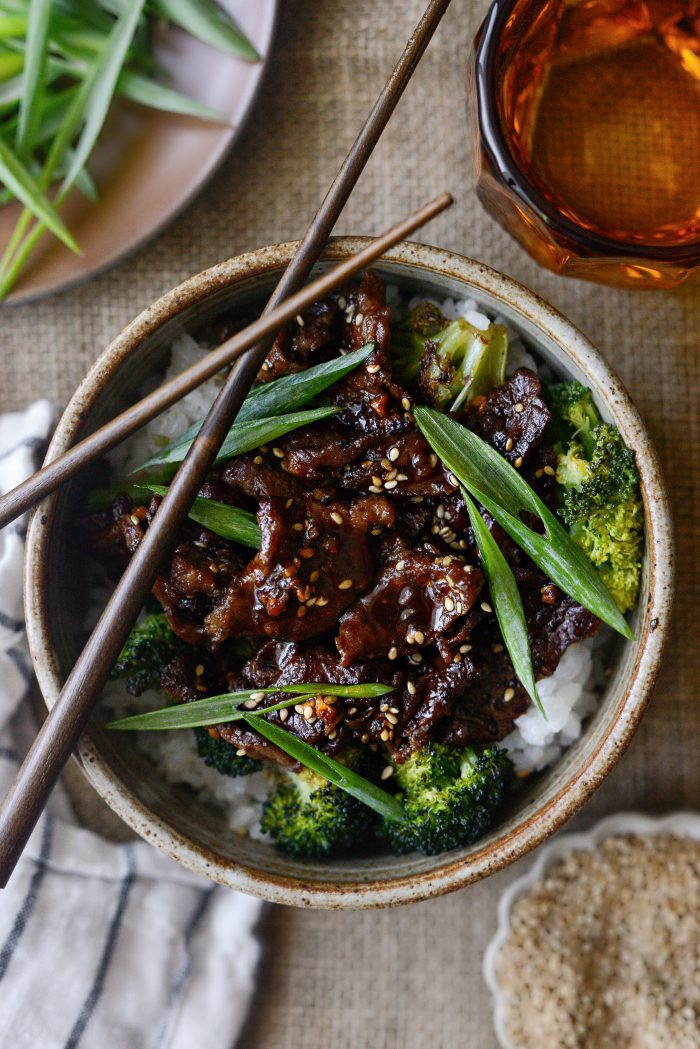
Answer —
588 150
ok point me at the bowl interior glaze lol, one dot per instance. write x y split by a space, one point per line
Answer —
199 836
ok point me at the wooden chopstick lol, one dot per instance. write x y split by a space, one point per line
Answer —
58 471
64 725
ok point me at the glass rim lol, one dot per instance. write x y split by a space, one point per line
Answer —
494 141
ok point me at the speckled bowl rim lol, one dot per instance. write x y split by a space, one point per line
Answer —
684 824
538 822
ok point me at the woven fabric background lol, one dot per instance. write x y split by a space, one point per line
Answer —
409 977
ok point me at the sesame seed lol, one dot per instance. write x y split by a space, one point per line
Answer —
405 404
383 707
342 302
258 459
402 477
375 489
393 454
301 611
250 704
134 519
433 459
284 714
519 407
391 718
411 688
309 712
359 319
329 700
400 565
364 738
393 652
257 696
518 462
387 772
299 707
390 484
419 637
509 444
394 710
457 657
538 473
376 480
332 734
486 607
345 585
465 648
314 575
352 710
375 531
240 753
385 735
321 601
416 657
300 320
288 503
297 527
338 518
372 369
278 453
265 367
367 464
449 604
199 669
453 480
550 471
496 649
508 695
306 552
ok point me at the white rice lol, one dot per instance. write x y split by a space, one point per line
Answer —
568 696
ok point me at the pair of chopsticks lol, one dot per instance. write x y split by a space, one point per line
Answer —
68 718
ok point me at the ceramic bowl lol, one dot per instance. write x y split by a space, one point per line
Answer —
199 837
682 824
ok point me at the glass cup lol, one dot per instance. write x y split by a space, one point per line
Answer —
587 124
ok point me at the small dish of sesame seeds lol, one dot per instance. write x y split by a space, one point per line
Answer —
598 945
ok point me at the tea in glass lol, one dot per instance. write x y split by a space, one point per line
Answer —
589 134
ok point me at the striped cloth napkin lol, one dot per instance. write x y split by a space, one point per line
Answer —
102 946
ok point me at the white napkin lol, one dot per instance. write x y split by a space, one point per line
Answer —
102 946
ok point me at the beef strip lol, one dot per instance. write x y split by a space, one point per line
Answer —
415 599
315 559
512 418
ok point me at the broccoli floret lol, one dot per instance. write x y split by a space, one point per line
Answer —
450 796
308 816
151 645
612 539
604 478
599 494
222 756
575 416
450 361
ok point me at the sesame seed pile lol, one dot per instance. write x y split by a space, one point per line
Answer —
604 952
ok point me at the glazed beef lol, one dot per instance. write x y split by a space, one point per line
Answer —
512 418
368 570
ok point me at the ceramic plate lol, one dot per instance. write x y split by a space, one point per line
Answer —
149 165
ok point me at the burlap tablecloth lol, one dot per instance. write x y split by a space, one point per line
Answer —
409 977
